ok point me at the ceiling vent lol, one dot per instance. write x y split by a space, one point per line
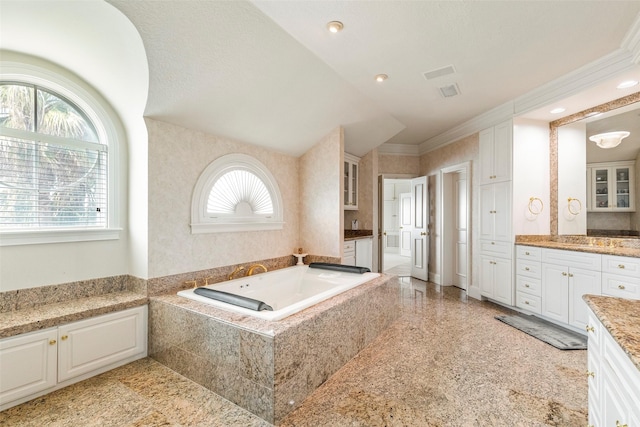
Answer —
449 90
439 72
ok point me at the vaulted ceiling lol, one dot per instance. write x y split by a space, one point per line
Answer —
269 73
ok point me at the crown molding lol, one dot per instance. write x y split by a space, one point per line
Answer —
490 118
399 149
631 41
572 83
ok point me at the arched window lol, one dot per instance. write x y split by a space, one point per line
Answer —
236 193
54 164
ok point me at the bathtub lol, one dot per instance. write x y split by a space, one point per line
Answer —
287 291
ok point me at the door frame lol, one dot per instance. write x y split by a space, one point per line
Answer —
380 214
442 225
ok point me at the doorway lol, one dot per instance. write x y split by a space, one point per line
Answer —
455 221
395 226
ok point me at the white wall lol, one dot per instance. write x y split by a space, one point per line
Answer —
177 157
572 182
530 176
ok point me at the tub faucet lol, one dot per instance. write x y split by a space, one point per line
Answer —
253 267
237 270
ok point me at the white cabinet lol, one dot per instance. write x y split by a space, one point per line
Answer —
528 278
349 253
364 253
614 381
495 211
496 239
27 364
566 277
350 170
495 153
495 278
358 252
621 276
612 186
36 363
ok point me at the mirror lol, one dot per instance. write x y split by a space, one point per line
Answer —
571 164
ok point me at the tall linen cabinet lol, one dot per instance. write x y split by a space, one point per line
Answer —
496 237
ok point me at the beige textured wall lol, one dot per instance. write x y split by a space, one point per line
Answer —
366 181
390 164
177 157
320 197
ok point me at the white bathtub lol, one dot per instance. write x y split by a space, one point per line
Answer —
287 291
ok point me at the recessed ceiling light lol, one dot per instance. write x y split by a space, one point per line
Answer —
335 26
558 110
381 77
627 84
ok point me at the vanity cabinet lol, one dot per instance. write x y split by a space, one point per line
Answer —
349 253
350 177
621 276
495 278
613 380
567 276
358 252
36 363
529 278
612 186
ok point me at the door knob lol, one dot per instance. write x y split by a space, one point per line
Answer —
423 234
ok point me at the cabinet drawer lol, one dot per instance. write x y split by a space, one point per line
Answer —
528 285
528 253
620 286
501 249
528 302
624 266
350 248
529 269
575 259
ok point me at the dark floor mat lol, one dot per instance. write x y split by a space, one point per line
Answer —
548 332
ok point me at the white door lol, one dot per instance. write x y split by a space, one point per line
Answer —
419 230
461 226
405 224
381 243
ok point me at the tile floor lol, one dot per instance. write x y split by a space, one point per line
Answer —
445 362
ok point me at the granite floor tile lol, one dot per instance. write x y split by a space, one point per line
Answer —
445 362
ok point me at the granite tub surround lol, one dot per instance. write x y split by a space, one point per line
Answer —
33 309
621 317
269 368
599 245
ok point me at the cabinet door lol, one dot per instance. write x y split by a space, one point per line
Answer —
555 292
486 156
600 179
364 253
502 211
487 216
614 406
622 193
94 343
502 151
503 281
582 282
486 276
27 364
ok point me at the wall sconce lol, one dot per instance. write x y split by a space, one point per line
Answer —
609 139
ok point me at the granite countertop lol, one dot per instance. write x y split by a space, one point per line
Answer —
45 316
621 317
357 234
595 249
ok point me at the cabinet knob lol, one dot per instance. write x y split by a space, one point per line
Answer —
590 328
493 243
591 374
570 274
52 342
64 337
526 269
526 302
621 266
620 286
526 253
620 425
564 273
526 285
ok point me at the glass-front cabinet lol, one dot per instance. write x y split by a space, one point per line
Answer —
350 181
612 186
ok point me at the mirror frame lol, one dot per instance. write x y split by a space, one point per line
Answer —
553 147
